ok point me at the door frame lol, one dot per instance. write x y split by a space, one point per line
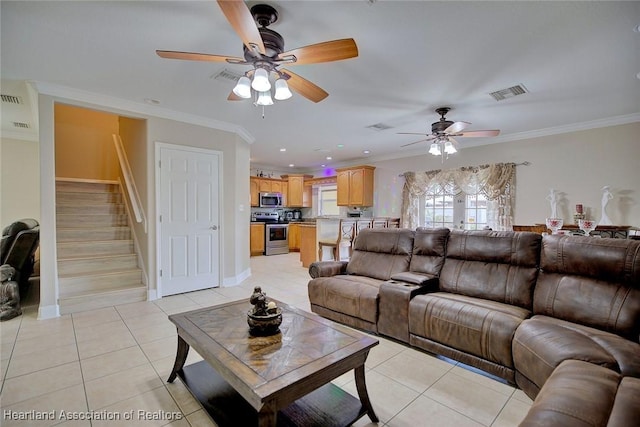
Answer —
156 162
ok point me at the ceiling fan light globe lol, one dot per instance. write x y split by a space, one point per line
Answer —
264 98
243 87
435 149
449 148
282 90
261 80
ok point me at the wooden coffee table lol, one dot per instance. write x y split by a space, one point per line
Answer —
282 379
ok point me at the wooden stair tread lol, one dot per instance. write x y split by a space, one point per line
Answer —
94 257
102 291
99 274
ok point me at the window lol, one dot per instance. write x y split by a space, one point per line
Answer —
439 206
475 212
328 200
447 206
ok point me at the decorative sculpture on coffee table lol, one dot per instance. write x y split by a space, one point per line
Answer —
9 294
606 196
265 317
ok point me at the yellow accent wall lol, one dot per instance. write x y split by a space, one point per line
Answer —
84 143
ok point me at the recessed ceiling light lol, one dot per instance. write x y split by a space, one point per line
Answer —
340 145
283 149
328 157
323 166
151 101
291 165
366 152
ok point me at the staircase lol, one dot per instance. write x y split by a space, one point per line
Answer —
97 263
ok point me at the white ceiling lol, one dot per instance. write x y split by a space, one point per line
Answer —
579 60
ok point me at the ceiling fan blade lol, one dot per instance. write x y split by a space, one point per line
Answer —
479 133
335 50
456 127
242 21
412 143
192 56
304 87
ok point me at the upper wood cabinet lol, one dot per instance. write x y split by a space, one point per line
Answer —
254 188
263 185
355 186
296 190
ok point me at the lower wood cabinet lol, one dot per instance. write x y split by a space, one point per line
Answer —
256 240
294 237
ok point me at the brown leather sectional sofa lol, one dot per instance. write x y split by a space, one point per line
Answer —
559 316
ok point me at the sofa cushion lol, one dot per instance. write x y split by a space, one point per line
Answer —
429 250
481 327
541 343
594 282
581 394
496 265
379 252
355 296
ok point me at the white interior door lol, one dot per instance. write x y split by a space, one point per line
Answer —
189 221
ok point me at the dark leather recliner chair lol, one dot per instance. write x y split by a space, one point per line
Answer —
19 243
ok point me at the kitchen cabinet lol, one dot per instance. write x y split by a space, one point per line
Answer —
254 189
308 244
263 185
296 190
256 243
294 237
355 186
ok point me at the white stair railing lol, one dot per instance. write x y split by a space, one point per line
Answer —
131 190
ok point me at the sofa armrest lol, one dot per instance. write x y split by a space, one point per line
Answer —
327 268
420 279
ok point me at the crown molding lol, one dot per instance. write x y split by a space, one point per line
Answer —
573 127
127 107
556 130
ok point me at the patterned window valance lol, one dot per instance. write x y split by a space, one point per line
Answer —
496 181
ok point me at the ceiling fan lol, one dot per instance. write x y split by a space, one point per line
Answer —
264 50
443 131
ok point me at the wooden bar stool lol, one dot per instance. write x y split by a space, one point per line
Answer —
346 232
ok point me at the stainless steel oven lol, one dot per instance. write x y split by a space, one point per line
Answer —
276 239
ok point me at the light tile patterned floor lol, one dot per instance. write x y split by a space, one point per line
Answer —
114 362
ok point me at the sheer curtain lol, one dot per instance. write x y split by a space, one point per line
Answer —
496 181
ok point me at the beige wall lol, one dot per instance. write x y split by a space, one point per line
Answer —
19 180
576 164
84 145
234 242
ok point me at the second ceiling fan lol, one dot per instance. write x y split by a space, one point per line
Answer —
443 131
264 50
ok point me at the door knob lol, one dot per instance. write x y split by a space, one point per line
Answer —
213 227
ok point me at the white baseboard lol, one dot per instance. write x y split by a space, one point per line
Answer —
48 312
236 280
152 294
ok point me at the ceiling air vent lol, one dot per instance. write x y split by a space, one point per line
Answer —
227 75
510 92
21 125
379 127
10 99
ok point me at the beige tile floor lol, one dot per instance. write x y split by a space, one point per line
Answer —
113 363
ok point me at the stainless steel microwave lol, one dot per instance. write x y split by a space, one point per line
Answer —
270 200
